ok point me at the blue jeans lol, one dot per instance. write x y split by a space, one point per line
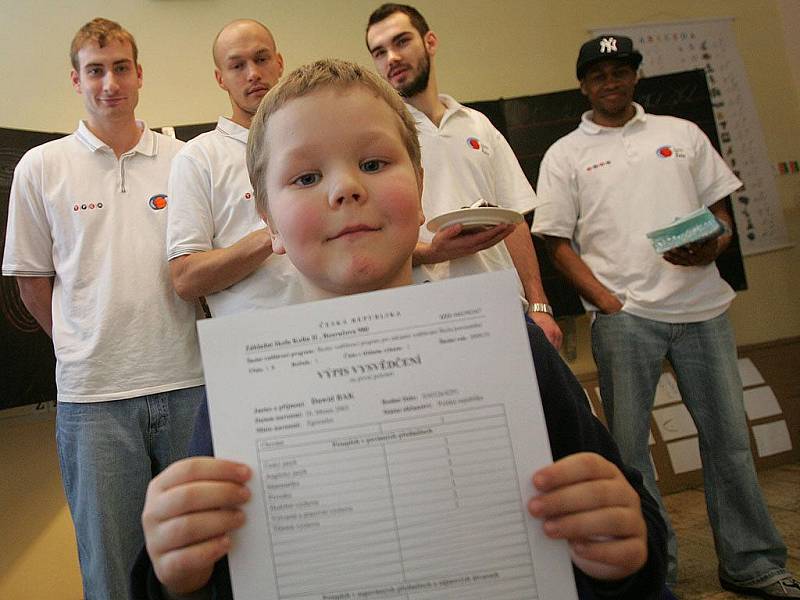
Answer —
108 453
629 353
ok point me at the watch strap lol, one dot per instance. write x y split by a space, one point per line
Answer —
540 307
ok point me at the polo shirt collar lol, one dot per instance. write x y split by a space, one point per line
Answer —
147 144
592 128
232 130
451 107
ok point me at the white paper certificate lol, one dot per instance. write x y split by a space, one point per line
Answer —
393 436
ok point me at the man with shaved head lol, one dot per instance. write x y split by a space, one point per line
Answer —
217 245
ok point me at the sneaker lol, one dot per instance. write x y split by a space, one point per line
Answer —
787 586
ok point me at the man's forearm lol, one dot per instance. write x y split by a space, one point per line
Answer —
37 296
523 255
418 256
720 211
580 275
204 273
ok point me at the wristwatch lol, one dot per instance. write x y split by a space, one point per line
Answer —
540 307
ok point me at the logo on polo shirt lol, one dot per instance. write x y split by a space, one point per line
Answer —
90 206
158 202
474 143
669 152
248 195
602 163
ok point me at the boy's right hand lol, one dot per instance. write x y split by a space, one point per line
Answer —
190 509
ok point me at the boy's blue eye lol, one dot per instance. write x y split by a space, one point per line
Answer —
372 166
306 179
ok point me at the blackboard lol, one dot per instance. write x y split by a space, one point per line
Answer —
187 132
532 123
27 362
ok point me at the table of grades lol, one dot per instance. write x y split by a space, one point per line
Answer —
418 508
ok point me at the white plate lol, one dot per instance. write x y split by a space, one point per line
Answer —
475 218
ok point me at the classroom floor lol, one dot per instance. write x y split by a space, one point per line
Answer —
697 576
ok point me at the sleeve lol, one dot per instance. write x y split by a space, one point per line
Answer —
572 428
713 179
146 586
190 221
29 242
512 188
557 210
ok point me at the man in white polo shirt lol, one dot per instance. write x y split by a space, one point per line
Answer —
86 232
217 245
621 174
465 159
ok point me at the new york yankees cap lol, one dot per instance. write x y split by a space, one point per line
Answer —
604 47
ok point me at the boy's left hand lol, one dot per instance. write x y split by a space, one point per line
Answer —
587 501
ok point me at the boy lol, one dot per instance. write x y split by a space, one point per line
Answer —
341 197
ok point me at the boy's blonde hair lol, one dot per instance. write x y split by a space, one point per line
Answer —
305 80
101 31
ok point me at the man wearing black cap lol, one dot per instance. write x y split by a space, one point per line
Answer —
619 175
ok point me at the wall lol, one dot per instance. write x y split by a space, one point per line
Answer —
488 50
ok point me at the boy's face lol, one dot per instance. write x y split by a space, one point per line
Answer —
344 198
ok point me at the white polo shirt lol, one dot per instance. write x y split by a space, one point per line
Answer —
98 225
466 158
212 206
604 188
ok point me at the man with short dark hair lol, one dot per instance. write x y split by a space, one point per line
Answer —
217 245
86 235
465 160
603 187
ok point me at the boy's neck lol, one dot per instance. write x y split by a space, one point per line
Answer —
312 292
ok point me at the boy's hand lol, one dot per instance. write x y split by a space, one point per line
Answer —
451 242
190 509
587 501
